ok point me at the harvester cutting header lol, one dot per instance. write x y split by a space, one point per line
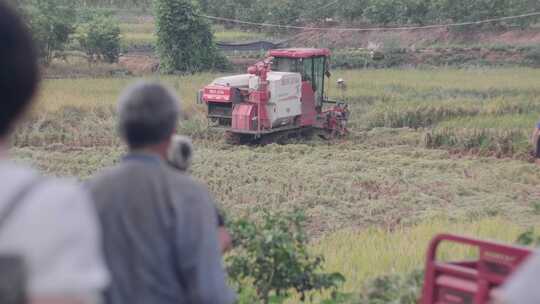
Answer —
281 96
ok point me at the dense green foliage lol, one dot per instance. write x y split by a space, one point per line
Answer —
99 38
529 237
55 24
116 3
51 23
371 11
274 256
185 41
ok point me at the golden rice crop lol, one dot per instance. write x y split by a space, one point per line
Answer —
504 135
426 113
57 94
390 98
364 254
367 198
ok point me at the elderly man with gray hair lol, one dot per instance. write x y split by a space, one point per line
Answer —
159 225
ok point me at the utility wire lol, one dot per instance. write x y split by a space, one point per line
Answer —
372 29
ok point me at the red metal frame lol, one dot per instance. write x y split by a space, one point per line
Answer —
469 282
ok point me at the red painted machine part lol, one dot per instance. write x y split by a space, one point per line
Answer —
299 53
309 114
469 282
243 117
217 93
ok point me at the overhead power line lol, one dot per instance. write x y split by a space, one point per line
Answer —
406 28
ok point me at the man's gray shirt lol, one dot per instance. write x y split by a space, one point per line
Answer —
160 235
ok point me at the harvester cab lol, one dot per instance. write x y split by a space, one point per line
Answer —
281 96
312 69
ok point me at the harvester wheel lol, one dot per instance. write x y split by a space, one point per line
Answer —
233 138
307 133
322 133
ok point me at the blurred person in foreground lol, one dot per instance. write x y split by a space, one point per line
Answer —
535 141
49 239
180 156
159 225
522 286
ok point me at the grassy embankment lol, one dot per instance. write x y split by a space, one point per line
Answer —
367 197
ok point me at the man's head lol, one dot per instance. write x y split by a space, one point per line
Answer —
19 72
148 114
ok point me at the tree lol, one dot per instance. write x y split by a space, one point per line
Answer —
99 37
381 12
385 11
51 23
352 10
185 41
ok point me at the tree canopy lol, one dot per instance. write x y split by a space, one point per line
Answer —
185 40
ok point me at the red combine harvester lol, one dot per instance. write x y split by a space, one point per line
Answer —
280 97
469 282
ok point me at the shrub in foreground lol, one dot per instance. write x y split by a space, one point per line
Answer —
272 255
402 289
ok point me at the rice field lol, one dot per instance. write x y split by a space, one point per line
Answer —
363 249
95 93
504 135
430 151
138 33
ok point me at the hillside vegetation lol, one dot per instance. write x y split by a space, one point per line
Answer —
368 11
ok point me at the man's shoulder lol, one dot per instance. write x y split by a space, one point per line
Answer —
190 192
183 181
59 197
48 199
47 190
13 174
109 176
54 216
